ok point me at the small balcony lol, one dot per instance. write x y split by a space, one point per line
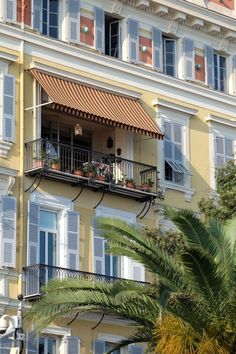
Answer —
36 276
91 169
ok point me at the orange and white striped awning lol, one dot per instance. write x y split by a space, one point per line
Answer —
97 104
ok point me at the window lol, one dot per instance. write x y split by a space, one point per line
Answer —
46 17
169 55
224 150
112 36
219 72
48 345
175 170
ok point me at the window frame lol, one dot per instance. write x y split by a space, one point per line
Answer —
218 68
166 38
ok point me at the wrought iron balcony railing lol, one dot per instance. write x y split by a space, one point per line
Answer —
37 275
67 162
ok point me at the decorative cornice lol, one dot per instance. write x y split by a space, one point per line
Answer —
174 106
5 147
188 192
220 120
8 57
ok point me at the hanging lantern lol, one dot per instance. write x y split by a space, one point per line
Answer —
78 129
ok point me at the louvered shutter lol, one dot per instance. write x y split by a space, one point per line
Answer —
188 55
8 215
99 252
10 10
133 40
219 146
168 151
99 347
5 345
33 234
234 74
73 20
73 226
73 345
31 343
134 349
99 29
8 107
157 49
37 15
177 138
209 53
229 153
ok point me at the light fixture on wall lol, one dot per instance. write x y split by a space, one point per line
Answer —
144 48
85 29
198 66
78 129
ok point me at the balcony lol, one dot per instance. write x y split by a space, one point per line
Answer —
36 276
95 170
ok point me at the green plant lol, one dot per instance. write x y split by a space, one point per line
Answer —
55 161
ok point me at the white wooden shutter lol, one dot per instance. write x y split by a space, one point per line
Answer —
234 74
72 243
73 12
177 139
10 10
168 151
98 347
135 349
209 58
32 343
8 216
73 345
188 56
219 148
37 15
99 252
157 49
99 29
133 40
8 107
33 234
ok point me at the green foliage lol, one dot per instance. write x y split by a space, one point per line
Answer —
224 207
190 306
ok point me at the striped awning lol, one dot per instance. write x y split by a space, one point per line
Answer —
97 105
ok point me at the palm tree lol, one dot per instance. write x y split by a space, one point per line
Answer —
190 307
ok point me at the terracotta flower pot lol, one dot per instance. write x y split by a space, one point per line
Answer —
101 178
56 166
78 173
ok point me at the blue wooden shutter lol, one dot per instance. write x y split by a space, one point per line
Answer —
10 10
157 49
8 108
99 251
8 214
209 53
31 343
37 15
168 150
5 345
73 345
188 56
73 13
99 347
33 234
73 226
234 73
99 29
133 40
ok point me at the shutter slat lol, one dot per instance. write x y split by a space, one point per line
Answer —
73 20
33 234
157 49
133 40
99 29
8 212
209 53
188 55
8 100
73 222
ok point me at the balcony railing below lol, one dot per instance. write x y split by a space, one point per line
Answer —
77 165
36 276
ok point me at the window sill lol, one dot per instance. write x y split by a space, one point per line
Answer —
188 192
5 147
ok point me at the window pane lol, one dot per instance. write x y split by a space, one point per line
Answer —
51 346
168 172
229 148
48 219
168 150
42 247
41 345
177 133
167 130
178 153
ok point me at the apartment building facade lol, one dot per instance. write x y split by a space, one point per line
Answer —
106 108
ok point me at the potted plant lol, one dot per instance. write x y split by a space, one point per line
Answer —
102 170
129 183
90 170
39 161
55 164
146 186
78 171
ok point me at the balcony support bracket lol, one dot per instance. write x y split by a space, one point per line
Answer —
101 199
148 208
38 176
142 209
78 195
